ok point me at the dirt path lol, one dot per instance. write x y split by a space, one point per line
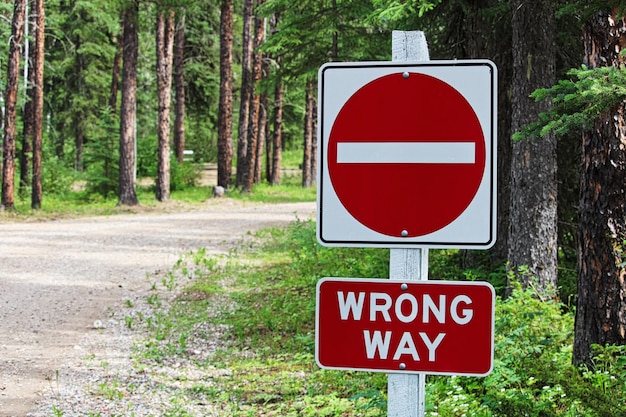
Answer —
58 278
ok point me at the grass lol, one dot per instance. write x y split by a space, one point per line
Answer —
259 303
262 296
78 203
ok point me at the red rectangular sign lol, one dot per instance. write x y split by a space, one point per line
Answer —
434 327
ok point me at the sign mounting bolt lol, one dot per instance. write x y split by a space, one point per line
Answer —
404 233
402 366
405 75
404 287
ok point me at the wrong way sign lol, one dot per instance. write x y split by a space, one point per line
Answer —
407 154
442 327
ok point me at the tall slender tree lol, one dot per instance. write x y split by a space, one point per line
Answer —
128 113
37 118
179 86
225 113
115 73
277 137
27 113
10 97
164 52
533 222
246 95
254 121
309 114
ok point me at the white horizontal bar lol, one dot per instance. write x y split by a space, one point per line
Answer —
406 152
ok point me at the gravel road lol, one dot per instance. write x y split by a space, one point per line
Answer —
58 278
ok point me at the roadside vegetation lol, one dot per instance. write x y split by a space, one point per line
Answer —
243 325
259 302
71 194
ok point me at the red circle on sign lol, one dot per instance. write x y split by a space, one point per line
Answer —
415 195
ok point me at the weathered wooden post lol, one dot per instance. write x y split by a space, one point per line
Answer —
406 392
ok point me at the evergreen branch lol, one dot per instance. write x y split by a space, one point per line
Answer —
577 102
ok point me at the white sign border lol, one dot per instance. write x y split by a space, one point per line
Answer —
476 227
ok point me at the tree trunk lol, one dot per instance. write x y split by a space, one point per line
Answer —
37 191
179 85
115 74
78 119
255 104
27 114
601 307
8 166
262 137
225 114
533 220
484 37
277 143
165 49
128 112
308 137
243 165
313 164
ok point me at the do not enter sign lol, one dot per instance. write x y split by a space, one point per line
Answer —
407 155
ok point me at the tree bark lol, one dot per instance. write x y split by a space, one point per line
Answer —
277 142
313 164
262 142
601 307
308 137
165 50
179 86
533 220
8 166
225 114
27 114
255 104
246 95
37 190
115 73
128 112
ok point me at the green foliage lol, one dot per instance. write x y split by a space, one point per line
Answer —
312 32
269 355
183 175
578 101
532 374
390 12
57 178
290 191
102 157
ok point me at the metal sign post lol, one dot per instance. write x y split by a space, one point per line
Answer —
406 392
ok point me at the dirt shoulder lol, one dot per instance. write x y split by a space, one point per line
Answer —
59 278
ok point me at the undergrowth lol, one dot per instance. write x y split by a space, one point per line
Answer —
263 294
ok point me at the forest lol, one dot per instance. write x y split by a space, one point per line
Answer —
106 92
